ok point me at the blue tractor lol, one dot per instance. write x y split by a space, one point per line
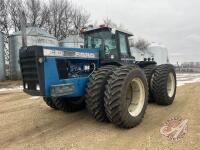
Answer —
103 76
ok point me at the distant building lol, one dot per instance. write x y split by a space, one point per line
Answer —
35 36
189 67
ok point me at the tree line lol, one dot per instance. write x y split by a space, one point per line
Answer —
58 17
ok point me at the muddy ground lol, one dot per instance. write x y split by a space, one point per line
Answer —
27 123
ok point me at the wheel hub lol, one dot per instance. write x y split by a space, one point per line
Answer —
170 85
136 96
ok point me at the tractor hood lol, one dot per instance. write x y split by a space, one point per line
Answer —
44 68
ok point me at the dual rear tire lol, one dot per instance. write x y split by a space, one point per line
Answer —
149 70
118 95
163 84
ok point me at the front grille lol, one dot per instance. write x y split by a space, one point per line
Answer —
29 72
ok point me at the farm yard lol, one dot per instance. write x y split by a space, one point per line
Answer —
27 123
87 75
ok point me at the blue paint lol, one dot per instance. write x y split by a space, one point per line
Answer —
51 75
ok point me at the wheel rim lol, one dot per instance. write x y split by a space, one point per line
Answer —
170 85
136 96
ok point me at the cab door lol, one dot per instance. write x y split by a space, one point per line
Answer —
124 49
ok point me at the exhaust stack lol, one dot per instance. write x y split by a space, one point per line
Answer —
23 29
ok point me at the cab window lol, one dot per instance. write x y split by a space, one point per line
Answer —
105 41
123 44
93 42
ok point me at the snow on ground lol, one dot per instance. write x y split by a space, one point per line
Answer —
16 88
34 97
182 79
185 78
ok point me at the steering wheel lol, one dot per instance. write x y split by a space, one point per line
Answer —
107 50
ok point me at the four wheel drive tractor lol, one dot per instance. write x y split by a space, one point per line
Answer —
103 76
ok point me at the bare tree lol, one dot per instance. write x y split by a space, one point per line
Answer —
44 15
64 18
109 22
15 8
67 22
58 16
34 7
141 44
80 18
4 20
37 13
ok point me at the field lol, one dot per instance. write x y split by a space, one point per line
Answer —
27 123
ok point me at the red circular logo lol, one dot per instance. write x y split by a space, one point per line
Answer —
174 128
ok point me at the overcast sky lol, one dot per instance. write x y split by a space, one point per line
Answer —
173 23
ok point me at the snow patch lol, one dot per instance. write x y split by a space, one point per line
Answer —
186 78
35 97
17 88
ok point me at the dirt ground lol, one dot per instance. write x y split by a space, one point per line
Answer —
27 123
10 84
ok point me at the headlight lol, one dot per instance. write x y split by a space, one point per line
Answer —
37 87
40 59
59 90
26 86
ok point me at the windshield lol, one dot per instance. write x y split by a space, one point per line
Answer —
103 40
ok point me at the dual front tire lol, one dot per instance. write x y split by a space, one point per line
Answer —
65 104
95 92
126 96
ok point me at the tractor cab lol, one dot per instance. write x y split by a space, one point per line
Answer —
113 44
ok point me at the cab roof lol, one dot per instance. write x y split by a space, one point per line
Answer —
105 28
